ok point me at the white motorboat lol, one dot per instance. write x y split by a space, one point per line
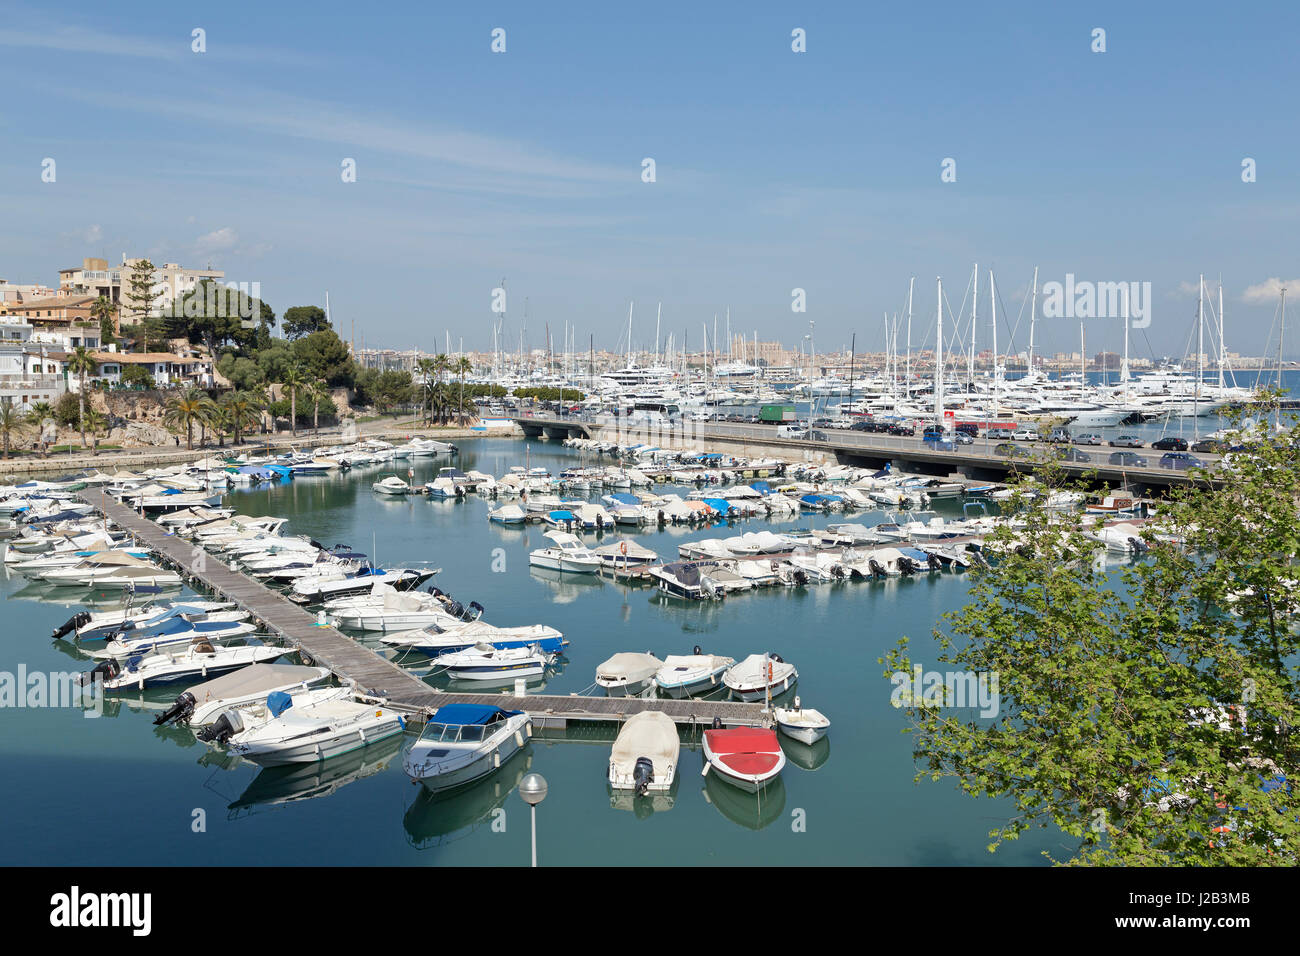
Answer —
625 555
628 674
444 488
97 625
802 723
746 757
568 554
508 514
170 664
324 587
462 743
203 703
455 635
316 731
392 485
386 609
685 675
111 569
176 632
240 718
759 675
645 753
483 662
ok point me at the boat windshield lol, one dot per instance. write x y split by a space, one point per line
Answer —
451 733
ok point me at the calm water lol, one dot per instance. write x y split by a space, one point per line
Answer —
117 790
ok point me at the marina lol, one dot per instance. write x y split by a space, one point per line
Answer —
562 711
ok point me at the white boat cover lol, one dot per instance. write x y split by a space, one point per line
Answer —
629 665
650 733
254 679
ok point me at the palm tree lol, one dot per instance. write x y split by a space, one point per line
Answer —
81 364
191 406
218 419
427 369
294 378
12 422
316 391
244 411
462 366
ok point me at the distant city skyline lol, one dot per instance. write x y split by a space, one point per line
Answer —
775 170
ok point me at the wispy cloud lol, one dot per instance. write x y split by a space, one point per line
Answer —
90 42
1269 290
512 164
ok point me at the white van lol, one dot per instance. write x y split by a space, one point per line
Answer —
791 431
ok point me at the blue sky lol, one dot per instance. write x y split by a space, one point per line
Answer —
775 170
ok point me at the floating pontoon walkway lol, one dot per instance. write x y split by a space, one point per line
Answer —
378 676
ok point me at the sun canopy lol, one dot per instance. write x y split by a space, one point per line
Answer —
470 714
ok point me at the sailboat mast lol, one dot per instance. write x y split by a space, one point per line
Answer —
938 355
974 324
1221 346
658 316
1123 369
1033 314
907 374
993 307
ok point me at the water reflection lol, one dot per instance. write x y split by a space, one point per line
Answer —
436 818
291 784
806 756
753 811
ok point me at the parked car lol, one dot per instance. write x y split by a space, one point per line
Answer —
817 436
1209 446
1087 439
1180 461
932 432
1000 434
968 428
940 444
1127 441
1128 459
1008 450
1024 434
1170 444
963 438
1058 434
1072 454
902 428
863 427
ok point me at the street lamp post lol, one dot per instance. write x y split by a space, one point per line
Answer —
533 789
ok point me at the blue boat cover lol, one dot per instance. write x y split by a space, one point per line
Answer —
278 702
626 498
711 456
718 504
813 499
563 516
469 714
914 554
762 487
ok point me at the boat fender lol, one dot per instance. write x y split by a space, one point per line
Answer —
496 758
519 739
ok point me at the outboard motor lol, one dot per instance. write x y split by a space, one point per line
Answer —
906 566
106 671
877 571
180 711
643 774
800 577
456 609
933 562
717 723
697 652
1137 544
71 624
225 727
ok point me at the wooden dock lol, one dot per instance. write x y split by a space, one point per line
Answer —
375 674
